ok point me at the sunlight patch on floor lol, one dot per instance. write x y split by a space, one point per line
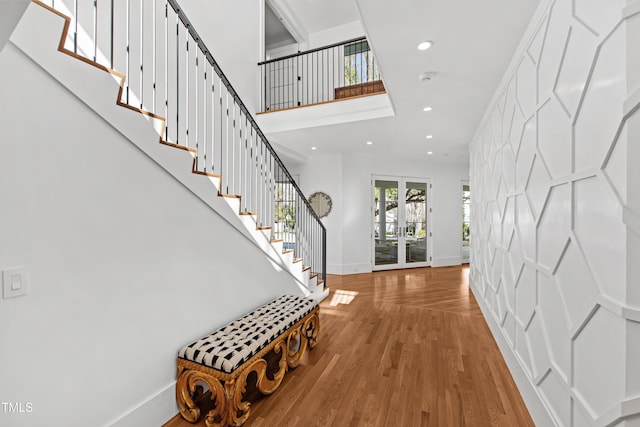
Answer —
342 297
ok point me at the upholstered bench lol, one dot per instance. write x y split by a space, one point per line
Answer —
224 359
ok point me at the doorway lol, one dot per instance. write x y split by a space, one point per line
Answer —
401 222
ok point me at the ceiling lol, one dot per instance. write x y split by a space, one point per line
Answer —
474 42
275 33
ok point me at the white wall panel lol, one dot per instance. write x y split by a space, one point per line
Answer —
553 47
526 227
615 168
555 323
538 348
569 187
578 57
522 351
538 186
509 164
508 222
601 233
554 226
527 83
534 49
526 296
602 112
576 284
526 152
599 15
554 138
553 389
599 365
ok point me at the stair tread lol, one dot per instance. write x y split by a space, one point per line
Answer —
178 146
276 240
297 260
230 196
249 213
288 251
213 175
306 267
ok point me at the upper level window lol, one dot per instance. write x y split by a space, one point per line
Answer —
359 64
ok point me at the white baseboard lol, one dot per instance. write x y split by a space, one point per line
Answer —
537 409
153 412
446 261
342 269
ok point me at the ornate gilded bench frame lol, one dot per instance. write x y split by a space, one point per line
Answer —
227 389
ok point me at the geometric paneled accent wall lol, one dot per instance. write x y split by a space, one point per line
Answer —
555 212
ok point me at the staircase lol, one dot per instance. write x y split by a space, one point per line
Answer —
217 150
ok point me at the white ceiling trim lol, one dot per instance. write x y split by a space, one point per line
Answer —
373 49
289 20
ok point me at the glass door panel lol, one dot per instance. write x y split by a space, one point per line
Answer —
386 222
416 222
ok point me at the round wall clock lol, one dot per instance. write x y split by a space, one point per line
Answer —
321 203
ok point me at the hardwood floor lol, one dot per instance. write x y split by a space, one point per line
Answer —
397 348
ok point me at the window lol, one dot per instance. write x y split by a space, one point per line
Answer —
285 209
359 64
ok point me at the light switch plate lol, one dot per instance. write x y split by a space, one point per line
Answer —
15 282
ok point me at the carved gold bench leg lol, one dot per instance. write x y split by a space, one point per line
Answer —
299 338
311 329
235 389
188 392
264 384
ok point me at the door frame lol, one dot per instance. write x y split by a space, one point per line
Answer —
402 180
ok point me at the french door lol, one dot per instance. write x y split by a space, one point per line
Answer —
401 222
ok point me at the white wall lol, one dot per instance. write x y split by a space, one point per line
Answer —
347 178
125 264
554 235
10 13
234 32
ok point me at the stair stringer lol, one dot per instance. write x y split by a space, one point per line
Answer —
96 89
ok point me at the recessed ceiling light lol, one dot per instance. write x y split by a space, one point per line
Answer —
427 109
314 148
425 45
369 142
427 76
429 152
429 136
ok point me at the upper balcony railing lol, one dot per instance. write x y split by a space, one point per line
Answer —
329 73
171 72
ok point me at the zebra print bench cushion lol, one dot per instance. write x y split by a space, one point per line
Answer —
232 345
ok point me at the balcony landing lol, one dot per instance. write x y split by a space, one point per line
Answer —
354 108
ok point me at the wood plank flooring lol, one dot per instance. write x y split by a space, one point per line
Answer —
397 348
